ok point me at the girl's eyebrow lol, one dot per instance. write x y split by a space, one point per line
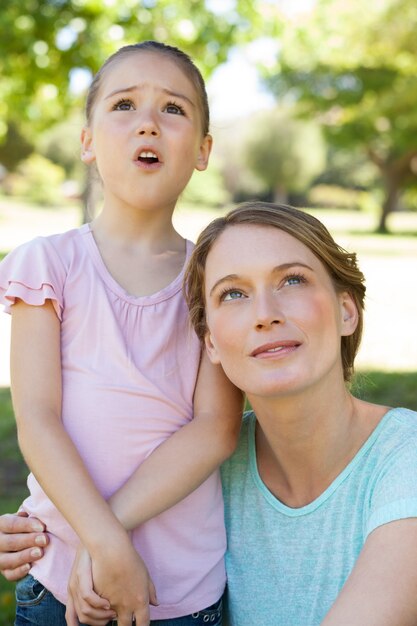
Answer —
168 92
277 268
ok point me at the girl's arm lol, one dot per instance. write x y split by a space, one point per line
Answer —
55 462
382 588
169 474
189 456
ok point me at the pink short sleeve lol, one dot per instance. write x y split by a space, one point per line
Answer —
33 273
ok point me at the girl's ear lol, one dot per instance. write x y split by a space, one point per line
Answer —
211 349
204 153
87 150
349 314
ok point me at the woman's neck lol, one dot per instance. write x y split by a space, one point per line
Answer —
304 443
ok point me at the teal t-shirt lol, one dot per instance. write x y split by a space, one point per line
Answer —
285 566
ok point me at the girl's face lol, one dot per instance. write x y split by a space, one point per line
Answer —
274 319
145 134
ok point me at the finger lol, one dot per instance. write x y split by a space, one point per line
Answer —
20 541
152 594
16 574
84 589
20 524
92 599
14 560
70 614
141 617
94 618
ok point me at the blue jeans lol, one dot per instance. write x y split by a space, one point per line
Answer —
36 606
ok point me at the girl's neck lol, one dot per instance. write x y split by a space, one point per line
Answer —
303 444
140 249
130 227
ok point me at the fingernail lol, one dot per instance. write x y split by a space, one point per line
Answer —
26 567
40 540
37 527
35 552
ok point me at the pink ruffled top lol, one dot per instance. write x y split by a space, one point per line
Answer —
129 366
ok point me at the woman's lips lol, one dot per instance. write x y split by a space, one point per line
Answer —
274 349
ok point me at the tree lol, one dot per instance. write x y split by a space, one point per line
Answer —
44 43
284 153
354 66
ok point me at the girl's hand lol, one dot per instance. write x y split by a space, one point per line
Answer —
83 603
120 575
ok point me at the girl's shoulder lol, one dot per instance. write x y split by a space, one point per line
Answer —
37 270
43 247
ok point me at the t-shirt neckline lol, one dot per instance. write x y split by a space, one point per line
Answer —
327 493
164 294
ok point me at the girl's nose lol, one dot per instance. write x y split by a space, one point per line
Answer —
147 125
268 311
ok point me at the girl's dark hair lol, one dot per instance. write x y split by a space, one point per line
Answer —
177 55
340 264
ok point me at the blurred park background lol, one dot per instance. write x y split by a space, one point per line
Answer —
314 103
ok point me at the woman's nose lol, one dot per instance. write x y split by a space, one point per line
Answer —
268 311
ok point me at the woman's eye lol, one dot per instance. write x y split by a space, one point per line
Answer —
231 294
123 105
296 279
175 109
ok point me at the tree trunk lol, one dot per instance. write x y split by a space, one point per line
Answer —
392 194
280 195
394 173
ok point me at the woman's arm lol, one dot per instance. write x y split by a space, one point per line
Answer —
189 456
382 588
54 460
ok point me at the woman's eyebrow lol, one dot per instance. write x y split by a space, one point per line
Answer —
224 279
278 268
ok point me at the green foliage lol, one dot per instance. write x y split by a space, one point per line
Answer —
43 41
388 388
15 147
38 180
207 189
354 67
284 153
61 145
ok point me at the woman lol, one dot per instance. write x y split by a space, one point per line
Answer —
321 495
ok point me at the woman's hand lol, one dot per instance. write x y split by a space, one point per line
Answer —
116 578
22 540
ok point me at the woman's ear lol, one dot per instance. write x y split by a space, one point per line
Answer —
350 316
211 349
204 153
87 150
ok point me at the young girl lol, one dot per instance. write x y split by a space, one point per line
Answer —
104 365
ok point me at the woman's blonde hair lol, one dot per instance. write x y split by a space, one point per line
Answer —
340 264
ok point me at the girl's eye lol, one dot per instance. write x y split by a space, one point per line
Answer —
175 109
231 294
295 279
123 105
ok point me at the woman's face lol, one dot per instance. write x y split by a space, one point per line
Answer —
274 319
